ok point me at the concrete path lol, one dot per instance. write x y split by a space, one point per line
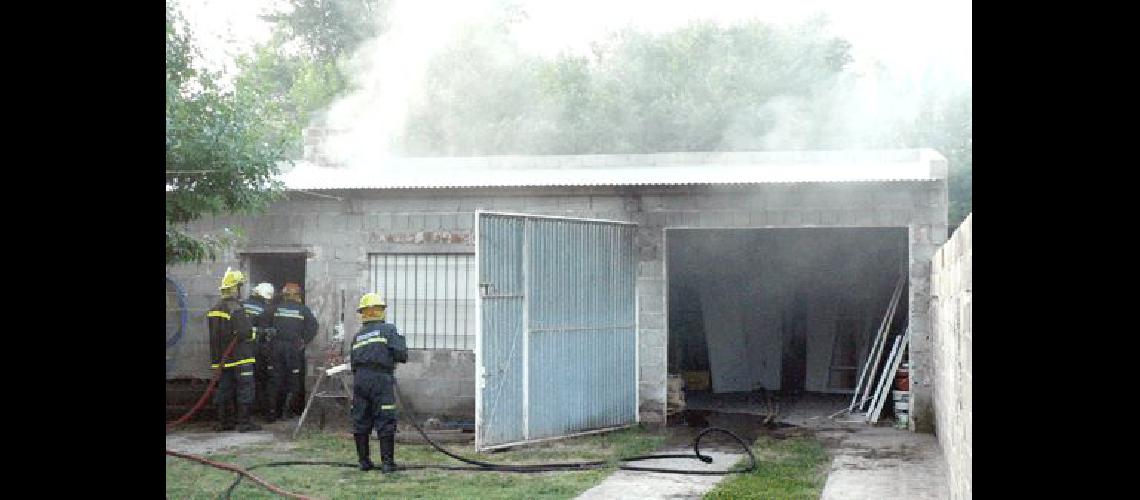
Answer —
198 443
883 462
656 485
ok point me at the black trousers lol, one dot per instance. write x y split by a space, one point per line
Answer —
285 376
263 401
235 383
373 402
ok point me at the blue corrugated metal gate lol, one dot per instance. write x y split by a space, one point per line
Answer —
557 342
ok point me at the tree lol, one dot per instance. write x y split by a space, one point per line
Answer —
698 88
300 70
946 125
222 149
952 133
750 86
330 29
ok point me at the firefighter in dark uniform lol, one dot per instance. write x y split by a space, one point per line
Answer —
294 327
375 351
228 323
260 313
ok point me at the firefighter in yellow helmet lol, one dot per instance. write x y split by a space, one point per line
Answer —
228 323
376 349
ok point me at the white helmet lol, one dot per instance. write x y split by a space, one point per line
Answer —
265 290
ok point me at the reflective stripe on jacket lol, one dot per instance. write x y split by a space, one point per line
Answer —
293 321
226 321
378 344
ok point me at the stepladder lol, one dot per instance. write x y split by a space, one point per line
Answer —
332 385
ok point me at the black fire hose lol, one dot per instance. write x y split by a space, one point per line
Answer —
599 463
480 466
534 468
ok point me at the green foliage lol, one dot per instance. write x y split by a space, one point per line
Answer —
292 87
222 152
300 70
948 127
329 29
224 145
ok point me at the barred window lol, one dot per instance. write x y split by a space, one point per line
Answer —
431 297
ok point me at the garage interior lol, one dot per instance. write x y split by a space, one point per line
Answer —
788 313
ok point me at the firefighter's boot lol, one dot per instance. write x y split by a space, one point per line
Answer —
225 420
245 422
387 454
285 407
362 452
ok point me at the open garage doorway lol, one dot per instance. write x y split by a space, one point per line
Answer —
275 268
783 312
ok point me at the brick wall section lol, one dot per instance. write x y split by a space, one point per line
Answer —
951 304
339 234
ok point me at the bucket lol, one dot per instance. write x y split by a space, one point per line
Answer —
902 378
901 406
900 396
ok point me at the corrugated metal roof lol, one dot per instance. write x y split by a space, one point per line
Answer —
626 170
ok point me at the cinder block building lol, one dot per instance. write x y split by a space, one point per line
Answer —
550 295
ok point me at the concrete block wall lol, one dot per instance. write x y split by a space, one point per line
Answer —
951 306
338 235
439 383
919 206
190 357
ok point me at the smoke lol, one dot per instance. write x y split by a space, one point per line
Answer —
906 56
387 74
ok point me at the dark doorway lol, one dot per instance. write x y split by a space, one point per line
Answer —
276 269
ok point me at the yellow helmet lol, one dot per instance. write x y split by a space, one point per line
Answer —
371 299
232 279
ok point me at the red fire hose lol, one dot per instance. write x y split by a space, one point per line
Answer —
239 470
209 390
223 466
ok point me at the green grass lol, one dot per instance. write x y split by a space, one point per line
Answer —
792 468
187 479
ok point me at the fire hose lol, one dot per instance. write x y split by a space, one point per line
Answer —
240 471
209 389
480 466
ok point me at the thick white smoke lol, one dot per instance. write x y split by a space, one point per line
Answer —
906 55
387 74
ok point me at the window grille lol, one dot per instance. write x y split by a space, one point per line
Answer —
431 297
